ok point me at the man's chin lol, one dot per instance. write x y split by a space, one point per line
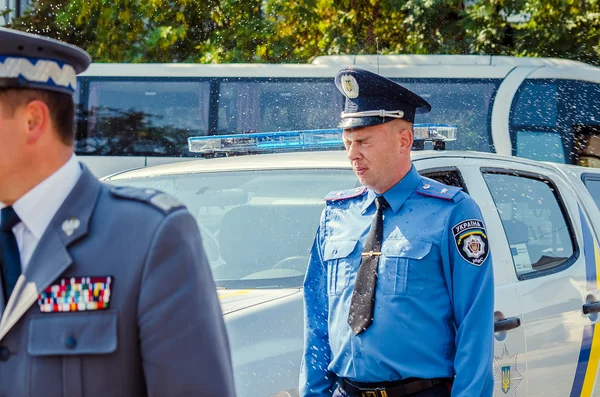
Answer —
365 182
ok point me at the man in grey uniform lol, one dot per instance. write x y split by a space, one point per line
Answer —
105 291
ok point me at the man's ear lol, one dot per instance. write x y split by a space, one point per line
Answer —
406 139
38 119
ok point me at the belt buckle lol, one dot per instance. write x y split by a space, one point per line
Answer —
379 392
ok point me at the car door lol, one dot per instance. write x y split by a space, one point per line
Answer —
553 253
586 184
509 339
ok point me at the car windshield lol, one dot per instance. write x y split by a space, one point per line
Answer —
257 226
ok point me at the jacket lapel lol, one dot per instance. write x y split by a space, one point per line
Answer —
2 302
51 257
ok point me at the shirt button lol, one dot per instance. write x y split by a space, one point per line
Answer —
70 343
4 353
358 354
395 377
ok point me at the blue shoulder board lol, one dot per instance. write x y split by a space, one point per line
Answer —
432 188
345 194
157 199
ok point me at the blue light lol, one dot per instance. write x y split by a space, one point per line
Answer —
326 139
304 140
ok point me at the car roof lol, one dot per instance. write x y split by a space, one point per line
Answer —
297 160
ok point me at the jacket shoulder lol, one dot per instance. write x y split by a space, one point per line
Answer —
342 195
432 188
156 199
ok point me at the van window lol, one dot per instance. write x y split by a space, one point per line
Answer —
154 116
466 103
592 182
143 117
540 237
266 105
557 120
541 146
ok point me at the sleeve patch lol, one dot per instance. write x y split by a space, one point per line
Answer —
470 238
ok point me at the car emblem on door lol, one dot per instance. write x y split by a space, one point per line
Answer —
506 375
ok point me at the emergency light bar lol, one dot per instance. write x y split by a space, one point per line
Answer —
304 140
268 142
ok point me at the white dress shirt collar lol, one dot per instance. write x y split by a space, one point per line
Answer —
38 206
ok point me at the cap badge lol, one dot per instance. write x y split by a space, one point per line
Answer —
350 86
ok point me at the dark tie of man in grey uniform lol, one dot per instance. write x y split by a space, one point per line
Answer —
9 250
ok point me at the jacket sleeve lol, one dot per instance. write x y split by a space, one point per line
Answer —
470 279
315 378
184 344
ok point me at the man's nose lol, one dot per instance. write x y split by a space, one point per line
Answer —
352 151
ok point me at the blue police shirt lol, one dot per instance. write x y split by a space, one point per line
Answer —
434 299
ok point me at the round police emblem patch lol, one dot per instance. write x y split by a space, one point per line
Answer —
470 237
350 86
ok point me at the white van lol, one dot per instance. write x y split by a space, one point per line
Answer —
135 115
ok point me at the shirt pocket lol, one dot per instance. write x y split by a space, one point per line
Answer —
399 257
338 261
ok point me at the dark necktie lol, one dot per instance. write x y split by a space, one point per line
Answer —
363 297
10 258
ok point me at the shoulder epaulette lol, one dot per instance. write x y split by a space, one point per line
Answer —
345 194
162 201
432 188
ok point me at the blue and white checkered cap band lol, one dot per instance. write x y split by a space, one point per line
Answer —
39 71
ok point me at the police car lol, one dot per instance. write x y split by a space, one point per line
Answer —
258 215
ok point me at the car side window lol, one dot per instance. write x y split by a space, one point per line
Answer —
533 216
450 176
593 185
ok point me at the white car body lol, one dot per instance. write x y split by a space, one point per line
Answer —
554 350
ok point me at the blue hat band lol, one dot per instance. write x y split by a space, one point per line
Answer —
39 73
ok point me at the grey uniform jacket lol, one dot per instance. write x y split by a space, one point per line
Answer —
163 333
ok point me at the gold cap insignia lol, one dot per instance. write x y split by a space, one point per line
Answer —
350 86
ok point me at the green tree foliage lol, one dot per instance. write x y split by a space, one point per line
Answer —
216 31
40 18
304 29
548 28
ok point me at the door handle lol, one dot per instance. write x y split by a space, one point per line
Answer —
592 307
507 324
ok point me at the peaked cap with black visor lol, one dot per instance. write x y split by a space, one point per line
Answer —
36 62
372 99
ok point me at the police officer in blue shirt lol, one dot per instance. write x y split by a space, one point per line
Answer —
399 291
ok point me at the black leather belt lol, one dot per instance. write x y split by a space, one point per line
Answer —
395 389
